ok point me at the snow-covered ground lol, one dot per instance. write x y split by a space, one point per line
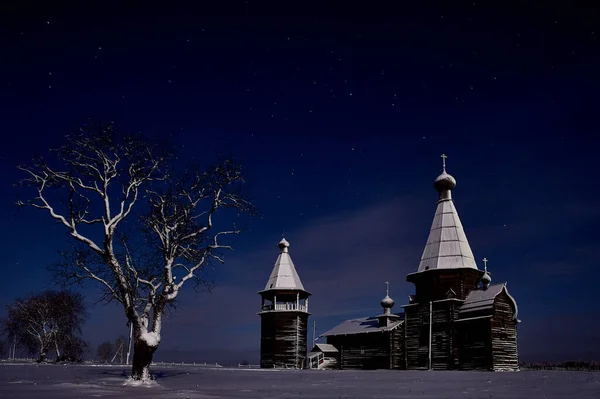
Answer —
57 381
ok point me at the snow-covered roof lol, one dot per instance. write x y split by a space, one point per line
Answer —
284 275
361 326
447 246
482 301
324 348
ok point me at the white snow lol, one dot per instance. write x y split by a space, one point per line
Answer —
151 338
79 381
149 383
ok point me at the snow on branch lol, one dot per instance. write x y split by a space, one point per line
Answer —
138 232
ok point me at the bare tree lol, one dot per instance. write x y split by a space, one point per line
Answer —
105 351
47 321
102 178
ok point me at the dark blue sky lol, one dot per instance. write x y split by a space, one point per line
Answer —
340 120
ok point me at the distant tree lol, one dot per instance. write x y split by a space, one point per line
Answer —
120 344
74 350
48 321
105 351
2 348
99 184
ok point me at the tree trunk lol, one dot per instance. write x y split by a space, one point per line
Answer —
43 354
142 358
57 350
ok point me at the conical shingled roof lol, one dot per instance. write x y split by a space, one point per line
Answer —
447 246
284 275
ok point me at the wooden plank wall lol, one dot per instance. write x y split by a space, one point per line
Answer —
397 357
363 351
441 342
505 354
475 351
435 284
443 345
416 357
283 339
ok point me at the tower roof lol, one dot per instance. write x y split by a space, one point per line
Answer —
447 245
284 275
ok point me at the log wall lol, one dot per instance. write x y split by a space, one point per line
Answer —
443 344
369 351
435 284
475 347
505 354
397 357
283 339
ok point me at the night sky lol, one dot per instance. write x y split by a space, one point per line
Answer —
340 117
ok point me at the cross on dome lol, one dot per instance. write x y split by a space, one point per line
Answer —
444 156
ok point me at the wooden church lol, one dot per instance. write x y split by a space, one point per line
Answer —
455 320
284 315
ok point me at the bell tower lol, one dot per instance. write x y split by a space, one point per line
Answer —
284 315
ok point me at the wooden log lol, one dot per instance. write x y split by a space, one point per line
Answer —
505 354
283 339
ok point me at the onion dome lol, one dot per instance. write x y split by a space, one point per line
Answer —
387 302
486 279
284 245
444 182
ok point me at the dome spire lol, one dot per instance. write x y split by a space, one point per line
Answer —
447 246
387 303
283 245
444 183
485 279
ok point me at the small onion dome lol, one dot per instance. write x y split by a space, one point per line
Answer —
444 182
387 302
486 279
283 245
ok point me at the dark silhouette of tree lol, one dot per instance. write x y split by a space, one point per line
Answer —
104 188
105 351
51 320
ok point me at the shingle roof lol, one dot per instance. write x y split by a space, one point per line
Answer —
325 348
284 275
361 326
483 301
447 246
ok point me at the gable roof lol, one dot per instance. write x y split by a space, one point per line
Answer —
447 246
361 326
483 301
